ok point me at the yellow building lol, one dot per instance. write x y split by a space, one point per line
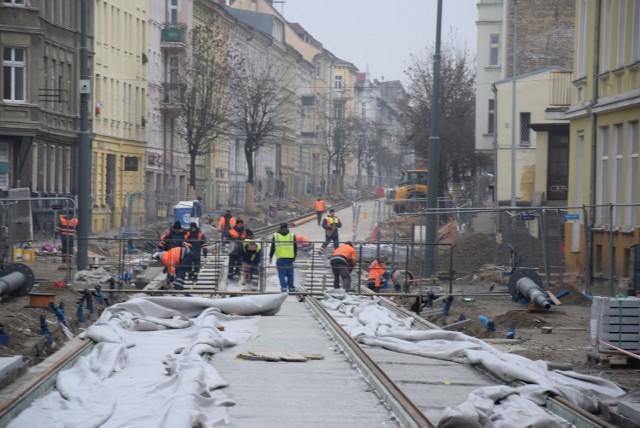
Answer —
604 141
119 85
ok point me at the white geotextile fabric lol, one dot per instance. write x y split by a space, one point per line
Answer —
494 406
150 366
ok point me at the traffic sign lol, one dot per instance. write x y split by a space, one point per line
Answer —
528 217
56 206
572 216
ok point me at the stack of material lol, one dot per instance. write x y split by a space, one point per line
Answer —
615 321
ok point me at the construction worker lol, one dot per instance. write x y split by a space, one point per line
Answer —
196 210
174 237
251 259
303 244
197 243
66 231
331 224
226 222
285 249
177 262
342 263
237 234
318 205
377 273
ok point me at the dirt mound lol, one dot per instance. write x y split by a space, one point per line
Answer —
470 254
569 295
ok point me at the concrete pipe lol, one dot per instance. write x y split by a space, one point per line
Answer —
16 279
532 293
525 284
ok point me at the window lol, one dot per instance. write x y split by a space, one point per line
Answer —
525 132
494 50
318 68
337 112
622 30
605 48
635 39
4 159
14 2
581 54
13 74
617 186
633 172
602 173
174 11
491 117
338 82
308 100
173 69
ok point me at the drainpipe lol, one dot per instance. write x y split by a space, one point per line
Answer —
594 130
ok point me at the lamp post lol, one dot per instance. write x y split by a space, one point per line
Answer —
84 144
434 159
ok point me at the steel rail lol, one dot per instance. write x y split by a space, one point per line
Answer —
559 406
404 409
26 389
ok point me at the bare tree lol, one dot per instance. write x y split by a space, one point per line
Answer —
457 112
262 105
203 94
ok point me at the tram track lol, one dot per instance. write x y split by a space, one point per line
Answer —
396 378
379 368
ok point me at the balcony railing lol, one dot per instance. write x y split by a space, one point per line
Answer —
560 88
173 36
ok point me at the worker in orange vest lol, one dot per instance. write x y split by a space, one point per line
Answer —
331 224
177 262
318 205
66 231
376 274
226 222
342 263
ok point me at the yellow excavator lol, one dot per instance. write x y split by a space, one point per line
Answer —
411 193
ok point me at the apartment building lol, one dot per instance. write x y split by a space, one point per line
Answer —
40 109
119 119
604 167
539 32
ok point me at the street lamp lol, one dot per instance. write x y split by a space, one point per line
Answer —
434 158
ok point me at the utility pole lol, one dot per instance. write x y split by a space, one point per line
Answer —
513 106
431 227
84 144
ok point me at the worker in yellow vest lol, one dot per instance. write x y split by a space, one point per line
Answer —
284 247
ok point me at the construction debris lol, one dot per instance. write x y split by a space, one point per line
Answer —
278 356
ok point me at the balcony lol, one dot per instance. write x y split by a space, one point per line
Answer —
171 96
560 89
173 37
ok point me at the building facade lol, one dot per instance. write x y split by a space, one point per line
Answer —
540 32
40 109
119 119
604 167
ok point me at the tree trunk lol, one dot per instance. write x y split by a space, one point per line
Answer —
248 200
191 189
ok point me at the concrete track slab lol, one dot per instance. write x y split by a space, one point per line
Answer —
321 393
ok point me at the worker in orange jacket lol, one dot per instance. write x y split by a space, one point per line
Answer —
177 262
226 222
376 274
318 205
342 263
66 231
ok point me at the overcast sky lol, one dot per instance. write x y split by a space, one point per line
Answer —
382 34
